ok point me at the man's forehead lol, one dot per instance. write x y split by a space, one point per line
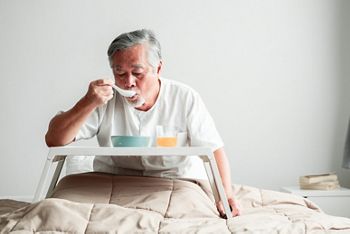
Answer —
117 66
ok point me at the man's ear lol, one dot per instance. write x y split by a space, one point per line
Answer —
159 68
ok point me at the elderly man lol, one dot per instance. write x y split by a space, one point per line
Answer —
135 59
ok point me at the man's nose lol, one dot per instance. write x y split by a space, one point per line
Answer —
130 82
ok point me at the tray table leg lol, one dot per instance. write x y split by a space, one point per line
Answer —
55 176
42 181
219 186
211 181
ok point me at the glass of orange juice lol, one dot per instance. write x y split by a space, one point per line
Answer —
166 136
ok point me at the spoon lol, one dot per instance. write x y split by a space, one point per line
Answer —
124 92
130 93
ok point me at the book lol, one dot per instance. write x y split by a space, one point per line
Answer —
326 185
312 179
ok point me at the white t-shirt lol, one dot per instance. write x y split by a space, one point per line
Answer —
178 106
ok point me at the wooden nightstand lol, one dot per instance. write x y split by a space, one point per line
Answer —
333 202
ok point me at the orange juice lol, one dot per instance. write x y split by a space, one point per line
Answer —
166 141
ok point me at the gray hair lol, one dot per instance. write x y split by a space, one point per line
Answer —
143 36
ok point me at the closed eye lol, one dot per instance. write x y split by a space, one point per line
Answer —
138 74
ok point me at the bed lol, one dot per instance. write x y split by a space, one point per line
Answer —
106 203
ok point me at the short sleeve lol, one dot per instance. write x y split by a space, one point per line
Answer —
201 127
91 126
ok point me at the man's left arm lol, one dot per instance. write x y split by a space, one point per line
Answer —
225 173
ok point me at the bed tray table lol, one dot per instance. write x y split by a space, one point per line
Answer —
57 155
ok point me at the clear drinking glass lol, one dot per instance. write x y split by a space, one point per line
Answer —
166 136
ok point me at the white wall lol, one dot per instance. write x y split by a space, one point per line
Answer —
274 75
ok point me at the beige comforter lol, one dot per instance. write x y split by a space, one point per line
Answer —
103 203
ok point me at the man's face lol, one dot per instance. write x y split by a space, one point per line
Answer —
132 71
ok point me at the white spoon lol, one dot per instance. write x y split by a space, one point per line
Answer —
130 93
124 92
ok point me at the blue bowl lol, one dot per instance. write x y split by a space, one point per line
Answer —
131 141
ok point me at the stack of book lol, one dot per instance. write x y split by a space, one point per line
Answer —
319 182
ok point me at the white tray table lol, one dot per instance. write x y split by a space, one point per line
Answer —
59 154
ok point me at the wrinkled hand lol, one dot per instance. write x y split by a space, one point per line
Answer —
100 92
233 206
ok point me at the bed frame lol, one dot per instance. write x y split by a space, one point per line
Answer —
57 155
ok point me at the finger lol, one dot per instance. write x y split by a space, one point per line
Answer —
109 82
220 208
101 94
97 82
104 89
105 93
102 82
106 99
110 97
234 207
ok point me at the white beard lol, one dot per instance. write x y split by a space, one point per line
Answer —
139 102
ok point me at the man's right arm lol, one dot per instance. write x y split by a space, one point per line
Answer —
64 127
